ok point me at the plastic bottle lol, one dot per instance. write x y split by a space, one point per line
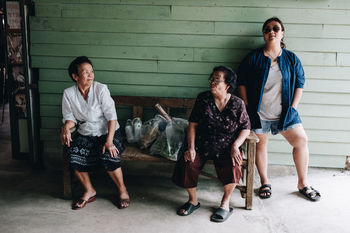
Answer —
128 131
137 123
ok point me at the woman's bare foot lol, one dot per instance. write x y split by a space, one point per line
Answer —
88 194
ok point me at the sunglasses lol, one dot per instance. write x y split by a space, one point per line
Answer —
268 29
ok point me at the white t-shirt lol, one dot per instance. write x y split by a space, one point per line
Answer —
271 103
91 115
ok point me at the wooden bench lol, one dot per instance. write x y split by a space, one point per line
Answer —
133 153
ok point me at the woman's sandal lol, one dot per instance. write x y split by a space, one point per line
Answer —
265 191
314 195
187 207
82 203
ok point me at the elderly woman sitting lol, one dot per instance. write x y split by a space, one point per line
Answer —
218 126
89 106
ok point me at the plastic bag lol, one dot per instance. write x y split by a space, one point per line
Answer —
133 130
150 130
169 143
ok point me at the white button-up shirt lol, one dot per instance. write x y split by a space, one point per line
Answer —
91 115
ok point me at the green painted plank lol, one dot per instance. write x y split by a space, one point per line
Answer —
50 99
241 41
116 11
255 29
102 64
326 123
53 123
48 10
318 110
316 160
57 1
50 123
324 72
108 77
308 97
53 87
245 14
317 59
327 86
219 55
343 59
109 25
303 30
329 4
132 90
321 148
325 98
190 67
132 65
336 31
326 136
123 52
153 40
318 45
236 55
50 111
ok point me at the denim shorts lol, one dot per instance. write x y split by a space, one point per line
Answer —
266 126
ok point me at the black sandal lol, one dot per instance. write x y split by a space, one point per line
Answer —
188 207
314 195
267 192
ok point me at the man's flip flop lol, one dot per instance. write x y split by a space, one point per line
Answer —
82 203
188 207
314 195
221 215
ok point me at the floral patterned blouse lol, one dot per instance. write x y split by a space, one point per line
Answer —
216 131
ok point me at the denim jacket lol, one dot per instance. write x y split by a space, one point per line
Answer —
253 73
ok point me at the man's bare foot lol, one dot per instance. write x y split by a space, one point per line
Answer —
124 199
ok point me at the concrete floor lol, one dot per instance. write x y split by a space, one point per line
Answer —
30 201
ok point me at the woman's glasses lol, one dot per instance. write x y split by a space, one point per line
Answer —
215 81
274 28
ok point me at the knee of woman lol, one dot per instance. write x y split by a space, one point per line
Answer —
302 140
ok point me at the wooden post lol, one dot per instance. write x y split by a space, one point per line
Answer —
67 183
137 111
250 173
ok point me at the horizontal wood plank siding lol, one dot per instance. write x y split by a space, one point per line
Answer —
167 48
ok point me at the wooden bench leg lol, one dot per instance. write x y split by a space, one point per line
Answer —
250 175
67 187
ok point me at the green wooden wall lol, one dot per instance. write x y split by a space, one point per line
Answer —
168 48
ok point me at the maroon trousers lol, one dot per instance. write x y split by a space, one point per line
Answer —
186 173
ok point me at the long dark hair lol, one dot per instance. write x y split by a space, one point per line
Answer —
229 75
283 45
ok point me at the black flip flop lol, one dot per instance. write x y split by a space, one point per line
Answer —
314 195
188 207
221 215
263 190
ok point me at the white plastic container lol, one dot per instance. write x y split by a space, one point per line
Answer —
137 123
129 131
